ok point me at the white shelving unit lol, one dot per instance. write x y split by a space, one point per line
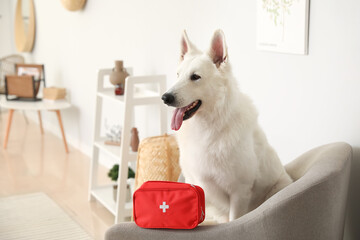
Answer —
135 94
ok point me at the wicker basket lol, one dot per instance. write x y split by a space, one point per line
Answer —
158 159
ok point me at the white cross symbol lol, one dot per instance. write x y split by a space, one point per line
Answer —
164 207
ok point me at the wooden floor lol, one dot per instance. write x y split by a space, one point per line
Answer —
38 163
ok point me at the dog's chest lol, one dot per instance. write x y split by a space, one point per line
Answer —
203 158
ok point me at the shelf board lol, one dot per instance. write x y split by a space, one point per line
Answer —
114 151
104 195
139 95
108 93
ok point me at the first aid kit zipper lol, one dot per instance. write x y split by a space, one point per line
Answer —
200 200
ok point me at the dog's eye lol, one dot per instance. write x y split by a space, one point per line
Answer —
194 77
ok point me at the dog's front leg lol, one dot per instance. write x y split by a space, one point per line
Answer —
239 204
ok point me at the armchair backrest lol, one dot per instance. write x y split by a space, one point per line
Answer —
7 67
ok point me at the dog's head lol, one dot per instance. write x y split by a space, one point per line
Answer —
200 79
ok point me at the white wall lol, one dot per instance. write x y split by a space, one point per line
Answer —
6 23
304 101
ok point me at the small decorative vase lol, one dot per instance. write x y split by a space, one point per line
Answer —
134 142
118 76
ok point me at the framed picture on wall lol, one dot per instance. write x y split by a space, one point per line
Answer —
282 26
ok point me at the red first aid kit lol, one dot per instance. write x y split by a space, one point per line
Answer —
161 204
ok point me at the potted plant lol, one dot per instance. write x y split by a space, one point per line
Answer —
113 174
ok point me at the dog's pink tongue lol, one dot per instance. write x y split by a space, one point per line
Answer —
177 118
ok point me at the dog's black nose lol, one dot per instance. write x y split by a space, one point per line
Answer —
168 98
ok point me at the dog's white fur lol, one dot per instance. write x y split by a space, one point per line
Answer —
222 147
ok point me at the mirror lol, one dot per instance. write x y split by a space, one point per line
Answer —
24 25
25 12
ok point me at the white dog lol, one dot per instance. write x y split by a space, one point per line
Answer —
222 147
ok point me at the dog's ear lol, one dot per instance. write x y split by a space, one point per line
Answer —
218 48
186 45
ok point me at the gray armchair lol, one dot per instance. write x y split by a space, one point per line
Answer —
313 207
